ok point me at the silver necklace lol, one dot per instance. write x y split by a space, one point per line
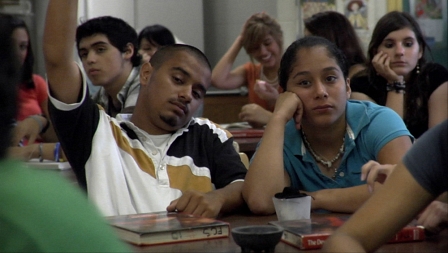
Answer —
327 163
270 81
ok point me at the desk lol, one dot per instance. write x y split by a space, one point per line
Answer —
437 243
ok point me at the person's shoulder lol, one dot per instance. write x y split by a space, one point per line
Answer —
207 125
53 205
435 67
367 111
206 130
363 105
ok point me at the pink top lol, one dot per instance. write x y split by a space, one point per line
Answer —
253 72
30 100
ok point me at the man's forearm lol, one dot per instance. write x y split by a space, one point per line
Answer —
231 197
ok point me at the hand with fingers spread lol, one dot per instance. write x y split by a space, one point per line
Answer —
375 172
197 203
381 63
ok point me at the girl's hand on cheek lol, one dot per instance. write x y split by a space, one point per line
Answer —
287 106
381 63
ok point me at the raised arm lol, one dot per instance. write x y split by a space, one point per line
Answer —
223 77
266 175
63 74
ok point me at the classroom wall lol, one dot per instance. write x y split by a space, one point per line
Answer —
210 25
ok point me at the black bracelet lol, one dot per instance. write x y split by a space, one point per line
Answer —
396 86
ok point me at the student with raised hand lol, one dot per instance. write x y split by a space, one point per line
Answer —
417 180
40 211
336 28
151 38
316 140
107 47
262 38
160 159
399 76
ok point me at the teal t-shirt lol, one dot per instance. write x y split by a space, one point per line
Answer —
369 128
42 212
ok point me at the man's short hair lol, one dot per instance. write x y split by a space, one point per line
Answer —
9 78
168 51
116 30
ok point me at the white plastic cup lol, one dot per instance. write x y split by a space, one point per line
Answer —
293 208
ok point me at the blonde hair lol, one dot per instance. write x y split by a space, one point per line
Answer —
258 26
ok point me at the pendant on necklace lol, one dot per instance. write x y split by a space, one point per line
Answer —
327 163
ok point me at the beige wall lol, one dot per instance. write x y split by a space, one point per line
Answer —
210 25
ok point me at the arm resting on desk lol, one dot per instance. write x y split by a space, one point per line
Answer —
209 204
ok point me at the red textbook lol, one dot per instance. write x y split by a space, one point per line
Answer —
311 234
166 227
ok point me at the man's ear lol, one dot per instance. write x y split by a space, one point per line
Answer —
129 51
145 73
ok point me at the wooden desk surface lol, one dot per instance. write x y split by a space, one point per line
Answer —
437 243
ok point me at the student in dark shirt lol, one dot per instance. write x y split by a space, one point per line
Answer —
399 77
415 182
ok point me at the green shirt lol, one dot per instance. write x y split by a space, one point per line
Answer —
41 212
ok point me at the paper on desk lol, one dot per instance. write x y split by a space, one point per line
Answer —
48 164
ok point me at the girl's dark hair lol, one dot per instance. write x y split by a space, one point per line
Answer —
158 34
416 94
116 30
336 28
9 77
290 56
27 68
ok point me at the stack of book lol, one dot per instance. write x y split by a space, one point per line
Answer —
311 233
166 227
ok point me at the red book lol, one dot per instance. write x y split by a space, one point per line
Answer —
166 227
247 133
311 234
